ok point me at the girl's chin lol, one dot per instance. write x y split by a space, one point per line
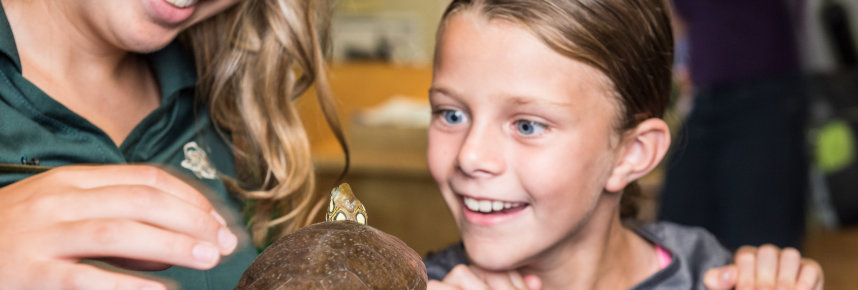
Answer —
493 264
495 257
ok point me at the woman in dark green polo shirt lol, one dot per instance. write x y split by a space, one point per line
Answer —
99 101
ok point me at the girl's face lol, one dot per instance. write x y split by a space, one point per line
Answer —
521 141
138 25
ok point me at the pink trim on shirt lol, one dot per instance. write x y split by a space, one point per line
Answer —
663 257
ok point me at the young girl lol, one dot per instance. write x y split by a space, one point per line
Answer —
544 115
106 84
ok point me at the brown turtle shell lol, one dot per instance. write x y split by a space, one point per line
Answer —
336 255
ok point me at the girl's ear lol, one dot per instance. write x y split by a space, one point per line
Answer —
642 149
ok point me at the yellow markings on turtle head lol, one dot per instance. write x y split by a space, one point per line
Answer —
344 206
360 217
341 217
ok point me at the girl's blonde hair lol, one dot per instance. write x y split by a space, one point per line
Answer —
253 61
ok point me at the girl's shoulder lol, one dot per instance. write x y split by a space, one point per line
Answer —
693 251
438 264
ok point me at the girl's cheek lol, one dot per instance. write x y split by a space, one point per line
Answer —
442 151
435 147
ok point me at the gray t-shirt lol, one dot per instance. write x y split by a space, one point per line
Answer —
693 251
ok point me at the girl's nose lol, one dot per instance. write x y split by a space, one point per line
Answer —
481 153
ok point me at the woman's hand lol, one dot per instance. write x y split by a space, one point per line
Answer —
135 216
464 277
766 267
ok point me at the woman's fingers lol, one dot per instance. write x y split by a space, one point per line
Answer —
82 276
127 239
141 193
152 206
132 202
135 265
135 216
107 175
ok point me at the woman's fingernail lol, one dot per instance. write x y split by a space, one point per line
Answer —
219 218
206 253
227 240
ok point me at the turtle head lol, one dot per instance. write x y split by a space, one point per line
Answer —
344 206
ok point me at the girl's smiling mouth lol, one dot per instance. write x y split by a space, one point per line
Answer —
487 206
487 212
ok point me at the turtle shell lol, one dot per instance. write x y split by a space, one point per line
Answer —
336 255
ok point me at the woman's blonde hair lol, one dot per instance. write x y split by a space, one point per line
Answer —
253 61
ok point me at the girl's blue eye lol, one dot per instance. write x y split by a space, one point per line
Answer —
453 116
528 128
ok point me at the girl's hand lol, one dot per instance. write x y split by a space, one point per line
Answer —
135 216
766 267
465 277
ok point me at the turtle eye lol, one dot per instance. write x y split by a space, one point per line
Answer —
340 217
360 218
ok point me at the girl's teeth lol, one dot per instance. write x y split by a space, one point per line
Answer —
497 205
472 204
487 206
181 3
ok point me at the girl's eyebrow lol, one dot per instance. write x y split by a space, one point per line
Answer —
523 101
437 90
515 100
443 93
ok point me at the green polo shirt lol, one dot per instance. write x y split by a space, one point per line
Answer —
178 135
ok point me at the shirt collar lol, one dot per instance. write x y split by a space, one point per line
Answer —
174 68
7 40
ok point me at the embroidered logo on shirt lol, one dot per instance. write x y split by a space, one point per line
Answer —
197 162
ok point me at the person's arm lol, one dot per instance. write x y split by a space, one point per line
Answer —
766 267
134 216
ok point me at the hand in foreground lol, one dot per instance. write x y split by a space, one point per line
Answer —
464 277
137 217
766 267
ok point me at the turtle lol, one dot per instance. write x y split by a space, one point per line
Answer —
343 252
343 205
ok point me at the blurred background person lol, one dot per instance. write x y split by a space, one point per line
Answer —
739 168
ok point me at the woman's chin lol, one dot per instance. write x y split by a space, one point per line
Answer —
153 39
